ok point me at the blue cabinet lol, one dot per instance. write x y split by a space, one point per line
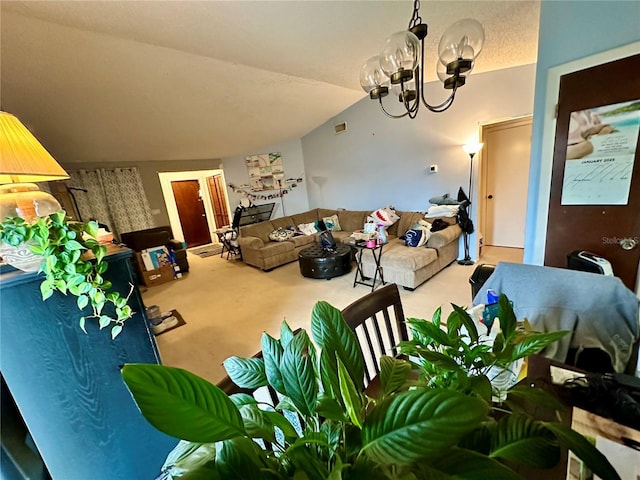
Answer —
67 384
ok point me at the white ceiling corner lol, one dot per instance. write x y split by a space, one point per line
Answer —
171 80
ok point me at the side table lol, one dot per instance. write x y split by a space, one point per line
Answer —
376 252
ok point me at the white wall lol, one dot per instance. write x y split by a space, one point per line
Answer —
381 161
235 172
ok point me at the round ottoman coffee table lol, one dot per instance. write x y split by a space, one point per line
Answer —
315 262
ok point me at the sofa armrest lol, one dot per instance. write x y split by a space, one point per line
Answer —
443 237
250 242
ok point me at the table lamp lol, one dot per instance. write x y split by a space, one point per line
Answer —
24 160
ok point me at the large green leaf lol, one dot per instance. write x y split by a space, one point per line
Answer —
442 361
286 334
523 440
461 464
194 461
467 321
579 445
350 396
412 425
256 423
506 317
304 460
272 356
246 372
393 373
535 342
329 407
430 331
238 458
298 374
329 373
332 334
182 404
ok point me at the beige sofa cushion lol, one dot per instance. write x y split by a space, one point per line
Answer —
260 230
352 220
282 222
441 238
395 255
305 217
407 219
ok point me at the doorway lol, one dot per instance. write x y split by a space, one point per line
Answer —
199 178
188 197
504 182
218 200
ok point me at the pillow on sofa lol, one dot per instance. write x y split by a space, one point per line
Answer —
308 228
332 223
280 235
442 211
384 216
415 237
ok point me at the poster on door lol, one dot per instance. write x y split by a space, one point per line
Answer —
601 148
265 171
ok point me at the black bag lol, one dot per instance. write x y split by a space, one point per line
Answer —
327 241
438 224
464 221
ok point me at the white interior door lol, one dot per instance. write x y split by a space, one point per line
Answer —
505 157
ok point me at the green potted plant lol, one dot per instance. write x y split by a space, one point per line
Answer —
326 426
66 248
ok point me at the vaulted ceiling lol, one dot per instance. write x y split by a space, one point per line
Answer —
172 80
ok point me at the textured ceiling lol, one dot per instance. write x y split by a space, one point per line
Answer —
170 80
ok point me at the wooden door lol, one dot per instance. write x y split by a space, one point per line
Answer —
505 174
598 228
218 200
193 218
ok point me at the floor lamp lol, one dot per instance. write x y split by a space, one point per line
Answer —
471 149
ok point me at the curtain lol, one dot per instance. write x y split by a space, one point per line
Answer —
113 197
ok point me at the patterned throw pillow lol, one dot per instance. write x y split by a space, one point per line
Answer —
332 223
280 235
418 234
308 228
415 237
384 216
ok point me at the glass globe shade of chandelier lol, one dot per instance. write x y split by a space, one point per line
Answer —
399 68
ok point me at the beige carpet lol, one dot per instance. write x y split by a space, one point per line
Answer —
227 305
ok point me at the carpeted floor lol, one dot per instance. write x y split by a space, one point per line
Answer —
229 304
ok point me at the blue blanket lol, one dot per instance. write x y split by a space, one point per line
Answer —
600 310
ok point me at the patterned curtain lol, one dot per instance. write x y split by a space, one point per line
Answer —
113 197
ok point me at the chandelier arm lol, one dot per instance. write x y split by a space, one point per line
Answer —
442 106
389 114
433 108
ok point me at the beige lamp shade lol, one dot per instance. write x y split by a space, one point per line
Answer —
22 157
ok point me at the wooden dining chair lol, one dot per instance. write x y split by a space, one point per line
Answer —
378 321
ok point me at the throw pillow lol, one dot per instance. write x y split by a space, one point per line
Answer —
280 235
384 216
308 228
332 223
415 237
425 227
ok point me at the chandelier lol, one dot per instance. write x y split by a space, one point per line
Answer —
399 69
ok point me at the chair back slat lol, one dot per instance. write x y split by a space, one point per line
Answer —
378 322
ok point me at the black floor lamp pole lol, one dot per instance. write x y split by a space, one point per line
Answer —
467 258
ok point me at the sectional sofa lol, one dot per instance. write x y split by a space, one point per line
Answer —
406 266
